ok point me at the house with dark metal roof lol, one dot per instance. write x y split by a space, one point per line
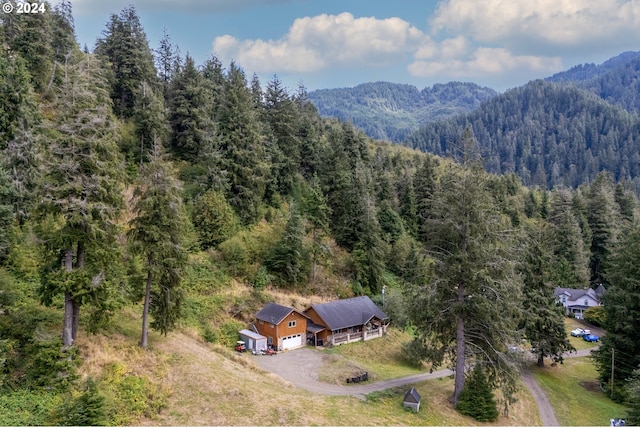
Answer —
284 327
576 301
343 321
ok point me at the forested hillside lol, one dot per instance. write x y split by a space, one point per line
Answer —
391 111
137 184
549 134
615 80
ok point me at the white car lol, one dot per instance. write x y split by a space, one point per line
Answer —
578 332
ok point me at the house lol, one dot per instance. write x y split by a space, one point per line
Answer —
576 301
343 321
411 399
284 327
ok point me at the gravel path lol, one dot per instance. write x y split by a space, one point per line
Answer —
300 368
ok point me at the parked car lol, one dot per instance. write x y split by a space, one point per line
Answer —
577 332
591 338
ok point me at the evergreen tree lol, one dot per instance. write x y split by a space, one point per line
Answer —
243 154
621 303
543 320
469 306
424 183
317 212
149 119
633 399
125 48
214 219
165 60
604 219
19 119
156 234
281 115
570 257
6 212
477 400
289 258
193 130
81 192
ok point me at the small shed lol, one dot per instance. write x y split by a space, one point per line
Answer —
253 341
411 399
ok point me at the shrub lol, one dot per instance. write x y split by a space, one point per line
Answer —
86 408
595 315
129 397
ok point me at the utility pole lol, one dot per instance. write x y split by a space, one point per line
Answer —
613 352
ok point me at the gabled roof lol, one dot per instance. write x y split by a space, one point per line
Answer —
575 294
273 313
412 396
348 312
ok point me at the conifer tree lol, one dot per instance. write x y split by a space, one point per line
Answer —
621 303
477 400
19 118
243 154
156 234
125 48
543 320
570 258
190 118
149 119
469 307
81 192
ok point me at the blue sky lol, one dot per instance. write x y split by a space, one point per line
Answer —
338 43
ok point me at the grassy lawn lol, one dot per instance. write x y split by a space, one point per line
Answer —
381 357
573 391
578 342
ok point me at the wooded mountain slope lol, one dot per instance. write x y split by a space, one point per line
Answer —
392 111
547 133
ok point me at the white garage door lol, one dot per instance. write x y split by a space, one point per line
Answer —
291 341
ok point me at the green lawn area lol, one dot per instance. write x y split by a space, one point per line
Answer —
578 342
381 357
573 390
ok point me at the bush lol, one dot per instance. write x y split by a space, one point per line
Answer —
595 315
476 399
129 397
84 409
28 407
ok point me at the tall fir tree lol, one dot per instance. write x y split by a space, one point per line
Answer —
81 192
621 302
543 320
243 153
469 307
156 234
124 47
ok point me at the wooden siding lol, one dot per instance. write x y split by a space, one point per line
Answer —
282 329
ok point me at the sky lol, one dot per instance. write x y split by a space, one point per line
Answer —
322 44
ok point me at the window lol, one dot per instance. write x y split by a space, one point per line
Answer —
564 298
586 301
261 322
292 323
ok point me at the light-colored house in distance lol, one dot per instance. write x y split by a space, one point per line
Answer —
576 301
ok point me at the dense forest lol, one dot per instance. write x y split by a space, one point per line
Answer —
391 111
549 134
133 179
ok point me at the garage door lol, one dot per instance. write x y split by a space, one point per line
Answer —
291 341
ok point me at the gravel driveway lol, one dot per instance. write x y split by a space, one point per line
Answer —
300 368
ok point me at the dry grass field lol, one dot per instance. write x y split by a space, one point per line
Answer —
211 385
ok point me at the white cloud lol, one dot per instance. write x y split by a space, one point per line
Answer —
314 43
537 26
482 63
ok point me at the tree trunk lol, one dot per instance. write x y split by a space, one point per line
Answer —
80 255
67 322
315 255
145 311
460 360
540 360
